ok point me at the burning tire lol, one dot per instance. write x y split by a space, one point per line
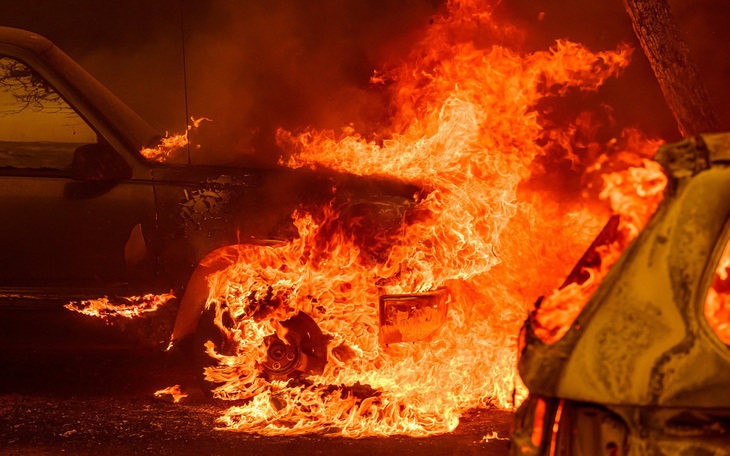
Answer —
302 351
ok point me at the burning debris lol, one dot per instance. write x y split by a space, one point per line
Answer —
170 146
126 307
173 392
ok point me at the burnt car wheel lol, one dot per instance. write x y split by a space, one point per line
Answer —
302 353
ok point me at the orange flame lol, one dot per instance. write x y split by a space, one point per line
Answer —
717 302
467 127
170 145
634 194
133 306
173 391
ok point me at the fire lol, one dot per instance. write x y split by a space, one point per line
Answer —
130 307
493 436
634 195
173 391
169 146
717 302
471 126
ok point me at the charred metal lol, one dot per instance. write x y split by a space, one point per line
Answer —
641 358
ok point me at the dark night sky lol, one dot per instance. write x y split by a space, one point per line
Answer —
257 65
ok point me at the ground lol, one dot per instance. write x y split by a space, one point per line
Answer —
59 399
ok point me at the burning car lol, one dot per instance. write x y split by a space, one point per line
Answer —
642 369
88 213
371 312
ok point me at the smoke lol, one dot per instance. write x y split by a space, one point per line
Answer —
132 47
251 66
256 66
635 96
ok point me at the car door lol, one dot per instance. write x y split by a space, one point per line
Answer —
57 230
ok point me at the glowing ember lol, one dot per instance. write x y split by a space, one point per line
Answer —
173 391
170 145
538 425
493 436
717 303
130 307
468 128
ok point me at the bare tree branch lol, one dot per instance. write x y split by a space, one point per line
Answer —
29 90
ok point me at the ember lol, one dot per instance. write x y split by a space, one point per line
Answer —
173 392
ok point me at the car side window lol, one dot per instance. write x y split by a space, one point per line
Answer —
38 129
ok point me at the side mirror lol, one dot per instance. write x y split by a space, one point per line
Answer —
99 162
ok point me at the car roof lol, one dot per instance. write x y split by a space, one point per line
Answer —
25 40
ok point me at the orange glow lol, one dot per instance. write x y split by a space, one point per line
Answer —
634 194
494 435
538 423
173 391
491 230
170 146
556 428
131 307
717 303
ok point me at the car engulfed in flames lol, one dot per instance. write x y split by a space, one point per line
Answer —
398 316
411 335
641 365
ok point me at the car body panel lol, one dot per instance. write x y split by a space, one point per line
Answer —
65 232
642 347
642 339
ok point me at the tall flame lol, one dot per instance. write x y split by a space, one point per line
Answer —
471 125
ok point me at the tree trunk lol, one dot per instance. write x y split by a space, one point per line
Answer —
669 57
